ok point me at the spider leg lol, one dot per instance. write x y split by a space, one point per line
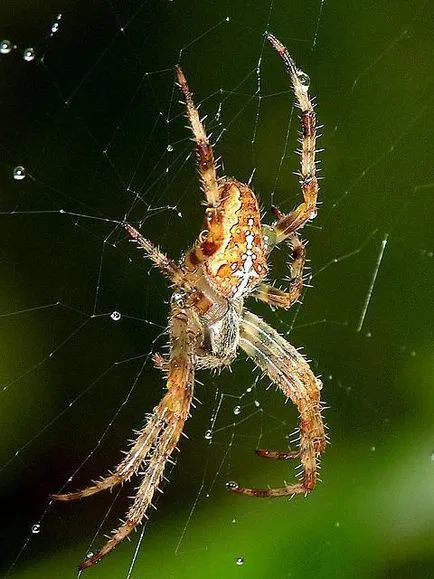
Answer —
289 370
130 465
286 298
160 259
277 454
157 441
161 362
288 224
177 275
206 163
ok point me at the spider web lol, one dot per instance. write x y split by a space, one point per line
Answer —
92 134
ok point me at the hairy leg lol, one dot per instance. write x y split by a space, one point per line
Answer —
289 370
155 442
279 298
206 163
290 223
160 259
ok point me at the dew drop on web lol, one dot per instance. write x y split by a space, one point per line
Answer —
29 54
19 173
5 46
208 435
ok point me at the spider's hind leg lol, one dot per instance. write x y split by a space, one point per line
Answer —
277 454
289 370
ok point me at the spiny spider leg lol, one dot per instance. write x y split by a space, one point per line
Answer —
160 259
156 443
206 163
129 466
176 273
277 454
287 368
276 297
309 184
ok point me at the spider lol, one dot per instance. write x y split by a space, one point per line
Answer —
208 322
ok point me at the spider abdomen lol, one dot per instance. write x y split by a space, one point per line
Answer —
234 252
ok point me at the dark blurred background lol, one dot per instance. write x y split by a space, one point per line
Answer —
92 115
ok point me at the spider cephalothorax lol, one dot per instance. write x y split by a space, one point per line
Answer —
208 322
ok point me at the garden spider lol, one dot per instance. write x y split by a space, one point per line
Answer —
208 322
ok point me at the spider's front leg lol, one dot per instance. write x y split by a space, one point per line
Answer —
288 224
289 370
206 163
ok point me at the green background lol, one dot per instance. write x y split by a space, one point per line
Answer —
87 119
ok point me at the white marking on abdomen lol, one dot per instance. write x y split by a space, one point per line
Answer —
247 271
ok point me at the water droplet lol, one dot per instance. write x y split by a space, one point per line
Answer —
36 529
29 54
116 316
89 554
237 410
208 435
55 27
373 449
5 46
239 560
231 484
257 403
303 78
169 148
368 334
19 173
412 353
337 524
